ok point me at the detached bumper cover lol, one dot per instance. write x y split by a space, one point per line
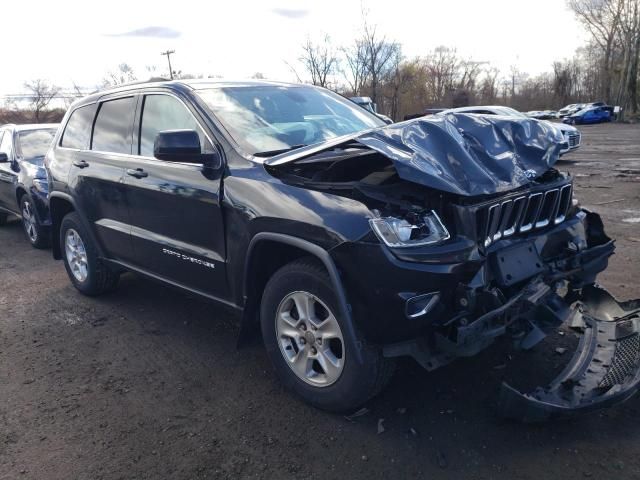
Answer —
604 370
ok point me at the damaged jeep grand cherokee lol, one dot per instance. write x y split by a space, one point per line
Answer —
344 241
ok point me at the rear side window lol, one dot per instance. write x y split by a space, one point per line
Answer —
112 130
78 130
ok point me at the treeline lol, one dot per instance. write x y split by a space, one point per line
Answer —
606 69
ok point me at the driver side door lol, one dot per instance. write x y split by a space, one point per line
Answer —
176 222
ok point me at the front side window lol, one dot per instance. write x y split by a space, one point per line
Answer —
77 133
33 144
112 130
264 119
163 112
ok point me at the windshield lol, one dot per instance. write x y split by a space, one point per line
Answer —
33 144
267 119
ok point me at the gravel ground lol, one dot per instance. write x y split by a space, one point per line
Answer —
147 382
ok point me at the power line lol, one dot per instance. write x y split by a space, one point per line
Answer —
168 55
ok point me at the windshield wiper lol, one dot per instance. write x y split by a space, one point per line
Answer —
272 153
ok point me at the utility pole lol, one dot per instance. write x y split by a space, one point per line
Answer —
168 55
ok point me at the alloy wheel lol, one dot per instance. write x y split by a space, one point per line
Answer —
76 255
29 221
310 339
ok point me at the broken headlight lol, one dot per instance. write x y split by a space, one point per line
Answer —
412 231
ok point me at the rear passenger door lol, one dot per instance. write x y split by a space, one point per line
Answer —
96 174
177 228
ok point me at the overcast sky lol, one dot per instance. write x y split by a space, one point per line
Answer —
68 41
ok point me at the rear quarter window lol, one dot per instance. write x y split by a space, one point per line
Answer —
77 132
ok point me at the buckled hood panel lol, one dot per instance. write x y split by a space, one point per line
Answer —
468 154
463 154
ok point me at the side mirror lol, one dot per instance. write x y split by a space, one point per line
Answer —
4 158
178 146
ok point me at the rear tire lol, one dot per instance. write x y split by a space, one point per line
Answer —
3 219
38 235
312 353
86 270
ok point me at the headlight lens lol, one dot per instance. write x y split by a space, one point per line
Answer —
426 229
41 185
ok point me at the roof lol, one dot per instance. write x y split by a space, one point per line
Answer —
191 84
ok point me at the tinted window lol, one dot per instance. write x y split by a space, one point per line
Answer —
112 130
163 112
34 144
78 129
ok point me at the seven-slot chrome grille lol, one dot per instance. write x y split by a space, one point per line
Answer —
523 213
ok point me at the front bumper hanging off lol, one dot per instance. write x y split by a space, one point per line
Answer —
604 370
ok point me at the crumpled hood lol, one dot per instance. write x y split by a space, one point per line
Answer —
468 154
459 153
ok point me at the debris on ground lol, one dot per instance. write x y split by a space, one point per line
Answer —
359 413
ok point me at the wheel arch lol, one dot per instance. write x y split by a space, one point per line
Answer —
20 191
279 249
59 206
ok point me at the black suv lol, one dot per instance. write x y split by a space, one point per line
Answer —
348 241
23 180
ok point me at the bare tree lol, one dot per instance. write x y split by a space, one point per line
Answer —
355 57
488 91
601 18
378 56
40 96
400 76
319 60
442 67
124 74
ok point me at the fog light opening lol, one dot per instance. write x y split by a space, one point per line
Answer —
421 304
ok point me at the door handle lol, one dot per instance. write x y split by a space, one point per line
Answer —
138 172
81 163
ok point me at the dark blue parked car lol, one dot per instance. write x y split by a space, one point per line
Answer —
591 114
23 179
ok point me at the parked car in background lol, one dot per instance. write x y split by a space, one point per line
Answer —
426 112
570 109
542 114
589 115
367 104
571 134
344 241
23 180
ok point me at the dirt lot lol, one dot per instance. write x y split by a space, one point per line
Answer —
147 382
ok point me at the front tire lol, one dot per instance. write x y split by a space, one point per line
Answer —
38 235
86 270
309 344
